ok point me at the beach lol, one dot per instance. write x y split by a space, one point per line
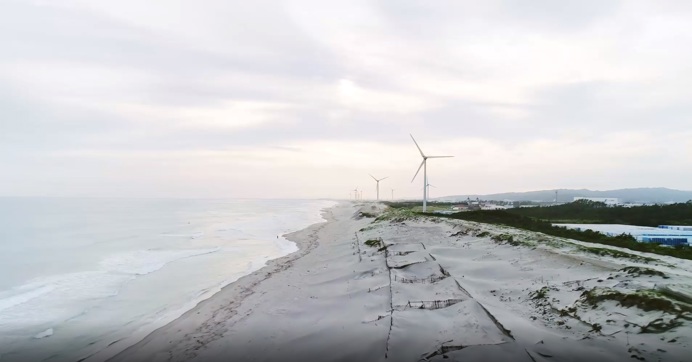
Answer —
420 288
83 279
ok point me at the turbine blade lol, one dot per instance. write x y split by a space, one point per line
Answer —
414 141
439 156
383 178
373 177
419 167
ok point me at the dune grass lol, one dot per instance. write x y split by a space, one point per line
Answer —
502 217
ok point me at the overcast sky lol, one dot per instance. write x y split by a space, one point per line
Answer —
219 98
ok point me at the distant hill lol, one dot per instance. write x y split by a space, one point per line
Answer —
638 195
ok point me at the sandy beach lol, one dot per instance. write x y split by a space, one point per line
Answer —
411 289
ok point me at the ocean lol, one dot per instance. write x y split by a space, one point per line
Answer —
83 279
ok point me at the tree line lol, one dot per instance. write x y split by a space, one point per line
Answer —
591 212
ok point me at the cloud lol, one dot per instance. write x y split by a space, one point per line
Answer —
119 98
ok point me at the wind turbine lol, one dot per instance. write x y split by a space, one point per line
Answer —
428 186
378 185
392 194
424 165
355 193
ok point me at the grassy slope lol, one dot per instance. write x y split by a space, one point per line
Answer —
507 218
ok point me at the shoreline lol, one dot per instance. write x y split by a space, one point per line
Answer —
423 288
241 287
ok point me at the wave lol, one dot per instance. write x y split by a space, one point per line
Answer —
81 298
143 262
45 334
45 299
15 300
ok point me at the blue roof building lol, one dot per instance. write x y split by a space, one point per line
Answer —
665 234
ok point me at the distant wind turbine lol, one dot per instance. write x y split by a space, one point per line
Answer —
378 185
392 194
428 186
424 165
355 193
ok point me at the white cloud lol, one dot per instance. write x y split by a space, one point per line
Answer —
211 96
230 114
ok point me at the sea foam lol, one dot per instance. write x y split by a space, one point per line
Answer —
143 262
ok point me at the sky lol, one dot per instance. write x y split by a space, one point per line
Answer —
306 98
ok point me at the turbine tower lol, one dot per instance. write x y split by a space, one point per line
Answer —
378 185
355 193
392 194
424 165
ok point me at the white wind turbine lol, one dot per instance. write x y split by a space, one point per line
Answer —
424 165
429 185
355 193
378 185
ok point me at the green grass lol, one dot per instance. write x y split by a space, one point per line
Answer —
506 239
539 294
615 254
646 300
636 271
373 243
403 211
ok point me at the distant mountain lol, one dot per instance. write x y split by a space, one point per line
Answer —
638 195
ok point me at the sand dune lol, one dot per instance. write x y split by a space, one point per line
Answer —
428 289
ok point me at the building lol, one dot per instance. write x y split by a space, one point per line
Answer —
677 227
609 201
493 207
663 234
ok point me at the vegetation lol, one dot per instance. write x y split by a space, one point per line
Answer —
368 214
636 271
506 238
540 219
415 204
539 294
373 243
615 254
646 300
585 211
643 299
510 218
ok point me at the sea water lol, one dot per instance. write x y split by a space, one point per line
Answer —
82 279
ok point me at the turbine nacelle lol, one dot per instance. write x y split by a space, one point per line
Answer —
425 158
378 180
378 184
